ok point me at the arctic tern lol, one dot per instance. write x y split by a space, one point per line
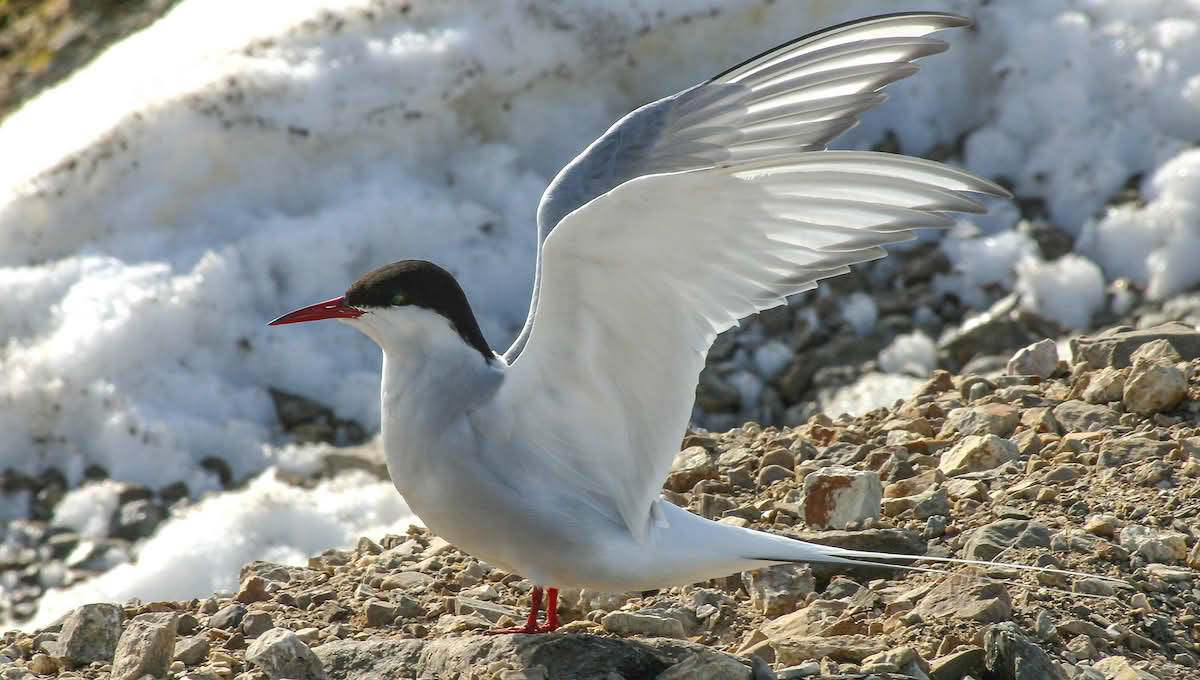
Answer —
687 215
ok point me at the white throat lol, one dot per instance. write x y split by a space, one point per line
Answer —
430 374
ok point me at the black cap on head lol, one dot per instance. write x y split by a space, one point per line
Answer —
421 284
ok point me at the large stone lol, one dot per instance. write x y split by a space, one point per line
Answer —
1040 359
1119 668
137 519
844 648
777 590
1153 387
997 419
191 650
835 497
690 466
1115 347
988 541
904 660
895 541
228 617
1155 546
976 454
979 601
588 657
1118 452
1079 416
995 331
1009 654
90 633
710 668
630 623
492 611
1105 385
280 654
146 647
957 665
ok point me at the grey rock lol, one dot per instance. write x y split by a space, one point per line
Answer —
138 519
778 589
714 394
90 633
1155 546
146 647
988 541
406 579
957 665
1115 347
280 654
737 457
995 331
1040 359
1009 654
380 613
707 668
629 623
191 650
228 617
845 648
770 474
932 504
1118 452
588 657
897 541
491 611
256 623
980 601
273 571
1079 416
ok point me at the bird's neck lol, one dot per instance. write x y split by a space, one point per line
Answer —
431 376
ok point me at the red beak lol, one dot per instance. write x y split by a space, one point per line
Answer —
330 309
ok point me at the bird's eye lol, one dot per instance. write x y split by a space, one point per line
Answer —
399 299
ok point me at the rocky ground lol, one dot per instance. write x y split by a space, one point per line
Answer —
1090 466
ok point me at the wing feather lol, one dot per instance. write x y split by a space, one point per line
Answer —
638 282
692 213
795 98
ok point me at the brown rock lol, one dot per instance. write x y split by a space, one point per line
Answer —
253 589
1105 385
977 453
980 601
1153 387
690 466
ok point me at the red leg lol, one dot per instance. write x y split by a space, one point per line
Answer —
535 605
552 623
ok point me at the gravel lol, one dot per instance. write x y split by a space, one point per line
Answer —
1024 471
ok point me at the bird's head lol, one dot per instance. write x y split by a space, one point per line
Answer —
398 303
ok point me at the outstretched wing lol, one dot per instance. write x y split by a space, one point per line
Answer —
693 213
797 97
638 283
